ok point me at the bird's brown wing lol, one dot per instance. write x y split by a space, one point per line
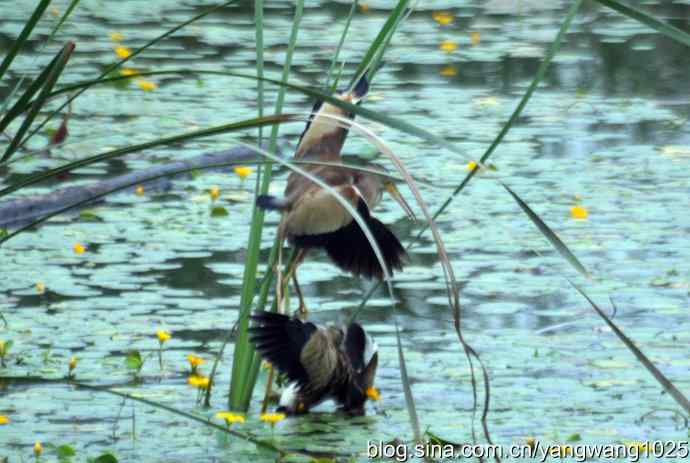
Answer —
320 357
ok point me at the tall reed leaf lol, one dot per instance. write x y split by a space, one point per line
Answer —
50 77
245 365
23 36
545 230
668 386
387 29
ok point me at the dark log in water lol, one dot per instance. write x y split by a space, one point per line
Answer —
21 211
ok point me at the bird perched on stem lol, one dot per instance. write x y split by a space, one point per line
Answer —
321 362
314 218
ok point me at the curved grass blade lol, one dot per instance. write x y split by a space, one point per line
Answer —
266 444
668 386
23 36
244 124
545 230
53 73
384 119
409 400
648 20
134 53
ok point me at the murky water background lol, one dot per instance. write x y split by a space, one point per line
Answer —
607 129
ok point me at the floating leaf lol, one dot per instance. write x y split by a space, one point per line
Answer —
219 211
134 360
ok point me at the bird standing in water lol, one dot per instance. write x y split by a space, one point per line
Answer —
313 217
321 362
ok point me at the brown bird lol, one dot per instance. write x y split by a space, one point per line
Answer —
313 217
321 362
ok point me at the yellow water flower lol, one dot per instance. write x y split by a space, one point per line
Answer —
199 381
475 37
471 166
442 17
242 171
72 364
128 72
163 336
139 190
40 287
214 192
364 7
531 442
4 420
272 418
38 448
123 52
195 361
373 393
448 46
116 37
230 417
79 248
578 212
448 71
147 85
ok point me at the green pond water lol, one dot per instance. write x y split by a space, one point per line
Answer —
607 129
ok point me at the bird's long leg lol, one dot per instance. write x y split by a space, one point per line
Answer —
278 269
292 273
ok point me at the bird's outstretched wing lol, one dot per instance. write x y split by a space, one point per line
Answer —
280 340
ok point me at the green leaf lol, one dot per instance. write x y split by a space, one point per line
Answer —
88 215
219 211
133 360
105 458
575 437
65 451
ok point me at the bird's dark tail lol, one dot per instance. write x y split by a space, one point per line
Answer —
350 250
272 203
